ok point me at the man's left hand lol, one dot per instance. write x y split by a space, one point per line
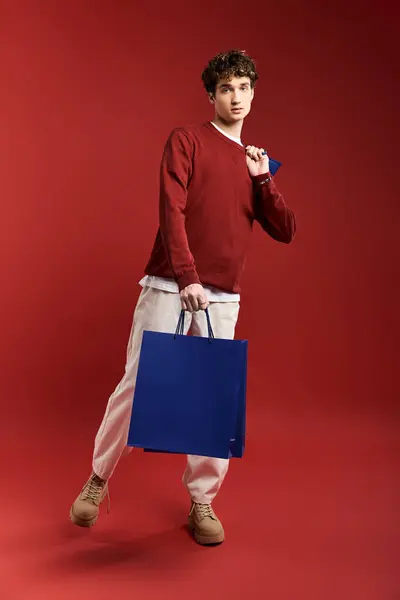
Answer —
257 161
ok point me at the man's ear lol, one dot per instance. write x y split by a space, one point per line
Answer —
211 98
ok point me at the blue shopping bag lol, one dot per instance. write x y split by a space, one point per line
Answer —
190 395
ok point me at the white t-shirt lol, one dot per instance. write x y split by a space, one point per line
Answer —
170 285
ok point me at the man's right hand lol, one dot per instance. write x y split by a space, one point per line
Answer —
193 298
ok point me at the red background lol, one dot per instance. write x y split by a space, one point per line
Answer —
89 94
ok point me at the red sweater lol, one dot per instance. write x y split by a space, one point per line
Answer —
208 204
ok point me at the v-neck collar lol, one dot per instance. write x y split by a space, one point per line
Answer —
232 143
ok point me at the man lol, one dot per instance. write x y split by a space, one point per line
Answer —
212 189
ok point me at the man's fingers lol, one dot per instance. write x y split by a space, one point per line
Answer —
250 151
187 300
259 154
193 298
256 154
194 303
205 303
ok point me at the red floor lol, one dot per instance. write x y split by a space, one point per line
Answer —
309 514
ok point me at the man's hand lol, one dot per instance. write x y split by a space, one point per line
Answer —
193 298
257 161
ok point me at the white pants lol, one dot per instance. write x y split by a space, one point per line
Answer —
157 310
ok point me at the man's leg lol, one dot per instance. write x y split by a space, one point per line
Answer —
203 476
156 310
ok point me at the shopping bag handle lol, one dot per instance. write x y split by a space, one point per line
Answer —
180 329
210 330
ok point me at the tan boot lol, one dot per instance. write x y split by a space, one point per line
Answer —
85 509
205 525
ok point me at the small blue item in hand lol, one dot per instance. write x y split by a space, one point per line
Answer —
273 165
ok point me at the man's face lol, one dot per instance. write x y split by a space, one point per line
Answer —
233 99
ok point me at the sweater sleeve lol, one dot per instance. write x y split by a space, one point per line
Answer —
271 211
175 174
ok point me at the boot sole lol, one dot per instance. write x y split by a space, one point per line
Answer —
203 540
81 522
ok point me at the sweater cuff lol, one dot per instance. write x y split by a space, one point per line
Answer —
188 278
259 178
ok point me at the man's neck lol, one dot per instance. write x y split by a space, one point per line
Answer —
233 129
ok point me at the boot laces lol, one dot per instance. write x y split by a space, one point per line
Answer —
204 510
93 489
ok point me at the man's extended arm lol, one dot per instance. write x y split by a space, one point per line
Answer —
176 170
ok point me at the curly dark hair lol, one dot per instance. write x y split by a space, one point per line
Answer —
226 65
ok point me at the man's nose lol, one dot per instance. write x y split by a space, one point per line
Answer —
236 98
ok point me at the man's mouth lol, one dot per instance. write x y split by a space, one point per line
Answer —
236 109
